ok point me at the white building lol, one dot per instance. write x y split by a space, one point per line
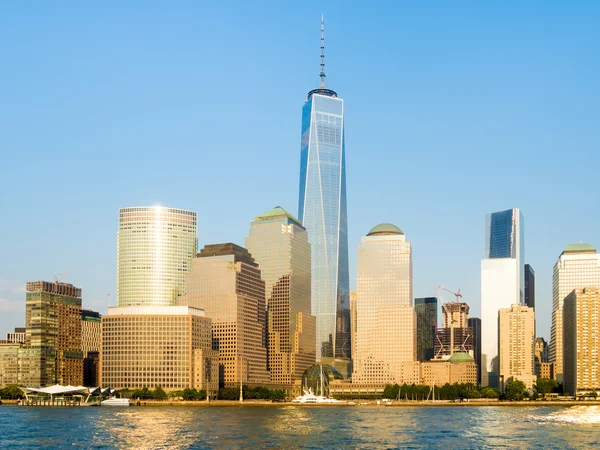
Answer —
502 281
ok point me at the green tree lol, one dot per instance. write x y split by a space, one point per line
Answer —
515 390
11 392
159 393
545 386
488 392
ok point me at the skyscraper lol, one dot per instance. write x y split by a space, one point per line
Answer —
53 330
426 310
322 210
155 247
279 244
581 331
226 283
91 343
502 281
578 266
454 336
475 324
385 317
529 286
516 337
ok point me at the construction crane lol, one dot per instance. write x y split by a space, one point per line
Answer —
452 320
58 280
439 290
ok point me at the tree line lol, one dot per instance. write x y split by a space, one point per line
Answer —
158 393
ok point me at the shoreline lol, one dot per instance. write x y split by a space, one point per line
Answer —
267 403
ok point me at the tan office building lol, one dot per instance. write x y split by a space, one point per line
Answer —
516 339
279 244
225 281
581 331
158 346
155 248
459 368
385 318
577 267
53 330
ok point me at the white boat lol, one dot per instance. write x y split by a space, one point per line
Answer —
115 402
309 397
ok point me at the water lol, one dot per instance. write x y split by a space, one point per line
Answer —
301 427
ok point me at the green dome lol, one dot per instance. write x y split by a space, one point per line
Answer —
461 357
384 229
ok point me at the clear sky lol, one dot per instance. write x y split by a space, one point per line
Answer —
453 110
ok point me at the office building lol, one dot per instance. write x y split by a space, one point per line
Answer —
543 369
353 321
577 267
225 281
502 281
385 317
475 325
53 329
279 244
460 368
529 283
581 344
426 310
158 346
17 336
155 248
323 212
516 338
91 343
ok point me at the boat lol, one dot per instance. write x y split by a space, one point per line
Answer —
309 397
113 401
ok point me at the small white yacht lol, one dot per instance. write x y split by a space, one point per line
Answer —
113 401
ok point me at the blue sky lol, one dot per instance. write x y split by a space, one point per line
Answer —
453 110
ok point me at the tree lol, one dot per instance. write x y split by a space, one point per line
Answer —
489 392
159 393
515 390
545 386
11 392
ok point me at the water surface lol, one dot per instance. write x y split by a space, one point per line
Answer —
300 427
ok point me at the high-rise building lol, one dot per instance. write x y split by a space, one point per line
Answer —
53 329
17 336
279 244
502 281
529 286
322 210
577 267
226 283
454 336
426 310
91 343
353 321
385 317
581 344
155 248
543 369
166 346
516 337
475 325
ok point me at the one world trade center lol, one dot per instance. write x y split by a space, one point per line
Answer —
323 212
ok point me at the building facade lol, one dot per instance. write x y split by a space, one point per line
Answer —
279 244
17 336
323 212
475 325
455 336
516 338
225 281
53 331
426 311
577 267
529 283
155 247
157 346
581 343
91 343
502 281
385 317
460 368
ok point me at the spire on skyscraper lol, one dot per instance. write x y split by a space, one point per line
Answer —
322 74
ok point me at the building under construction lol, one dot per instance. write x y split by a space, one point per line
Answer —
456 335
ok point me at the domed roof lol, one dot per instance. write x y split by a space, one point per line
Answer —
461 357
383 229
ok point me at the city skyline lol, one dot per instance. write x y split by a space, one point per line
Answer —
91 249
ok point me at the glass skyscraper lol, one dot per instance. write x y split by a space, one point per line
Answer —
426 309
502 281
322 211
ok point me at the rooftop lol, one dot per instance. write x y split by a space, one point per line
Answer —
384 229
580 247
276 213
460 357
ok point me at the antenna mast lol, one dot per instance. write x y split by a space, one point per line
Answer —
322 74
